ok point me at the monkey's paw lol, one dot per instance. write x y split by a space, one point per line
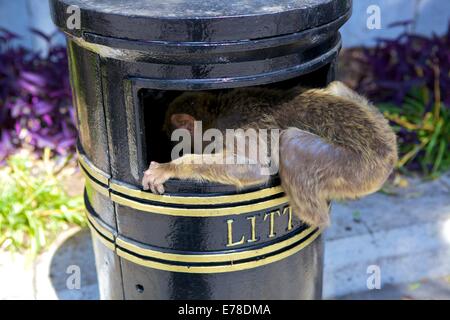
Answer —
156 176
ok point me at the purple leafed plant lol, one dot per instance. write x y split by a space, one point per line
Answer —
35 98
409 79
399 65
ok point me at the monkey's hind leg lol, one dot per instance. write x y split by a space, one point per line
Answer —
303 167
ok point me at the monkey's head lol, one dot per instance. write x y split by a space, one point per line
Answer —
188 108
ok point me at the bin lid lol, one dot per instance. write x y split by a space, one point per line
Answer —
195 20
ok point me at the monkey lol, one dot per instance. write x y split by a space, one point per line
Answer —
333 144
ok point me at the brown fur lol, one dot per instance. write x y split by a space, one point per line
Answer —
334 144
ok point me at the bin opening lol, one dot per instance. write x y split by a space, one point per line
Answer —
156 145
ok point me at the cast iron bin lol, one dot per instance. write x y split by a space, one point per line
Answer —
128 60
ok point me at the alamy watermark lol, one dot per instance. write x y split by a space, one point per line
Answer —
374 17
374 279
73 281
74 20
236 146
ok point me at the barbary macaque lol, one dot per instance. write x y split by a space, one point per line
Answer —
333 144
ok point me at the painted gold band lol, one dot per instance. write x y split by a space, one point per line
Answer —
96 186
92 170
110 245
203 212
218 269
105 232
135 193
128 251
185 212
139 194
222 257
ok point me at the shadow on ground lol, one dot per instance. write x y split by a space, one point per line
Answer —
75 256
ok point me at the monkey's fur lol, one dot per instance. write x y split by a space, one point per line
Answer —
333 145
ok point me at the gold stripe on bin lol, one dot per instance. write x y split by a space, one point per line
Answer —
92 170
217 257
106 243
187 212
102 230
217 269
118 244
203 212
136 193
100 233
98 187
92 174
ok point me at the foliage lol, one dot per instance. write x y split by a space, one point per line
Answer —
424 135
35 98
397 66
34 205
409 77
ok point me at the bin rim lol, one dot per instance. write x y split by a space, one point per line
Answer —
197 21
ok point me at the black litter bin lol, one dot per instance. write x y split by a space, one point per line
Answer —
128 61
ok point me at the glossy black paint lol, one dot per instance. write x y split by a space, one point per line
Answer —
108 265
192 234
198 20
298 277
126 47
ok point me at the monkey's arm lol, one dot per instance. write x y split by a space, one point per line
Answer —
207 167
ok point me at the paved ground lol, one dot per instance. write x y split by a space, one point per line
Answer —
46 278
404 231
427 289
406 235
